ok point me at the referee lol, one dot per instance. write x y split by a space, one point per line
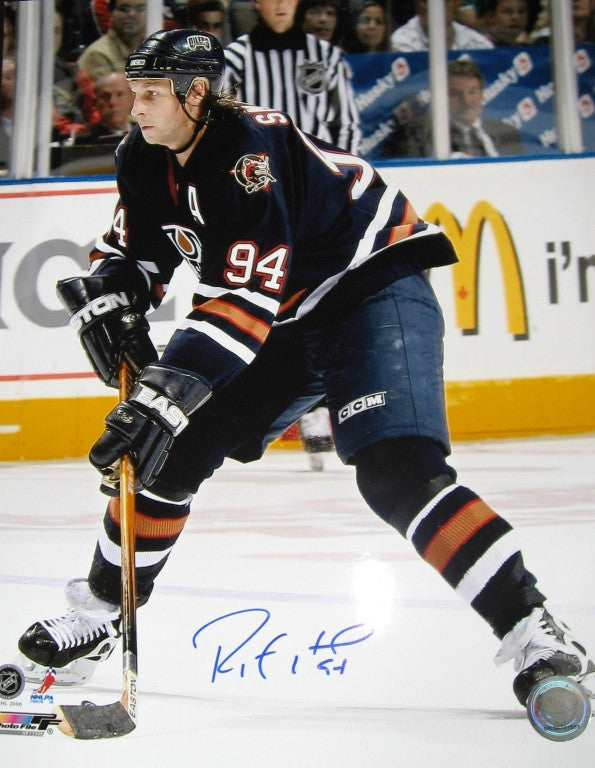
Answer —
277 65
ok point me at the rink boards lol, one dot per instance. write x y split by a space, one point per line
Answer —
519 307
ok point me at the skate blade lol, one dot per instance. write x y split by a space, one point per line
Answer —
558 708
76 673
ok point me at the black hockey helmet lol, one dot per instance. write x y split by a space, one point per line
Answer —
180 55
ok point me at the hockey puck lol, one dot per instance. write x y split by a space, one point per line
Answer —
559 709
12 681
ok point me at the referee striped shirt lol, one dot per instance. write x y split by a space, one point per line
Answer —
299 74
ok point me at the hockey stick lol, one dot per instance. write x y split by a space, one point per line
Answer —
92 721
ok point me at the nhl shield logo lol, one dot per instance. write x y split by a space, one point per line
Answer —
253 173
311 77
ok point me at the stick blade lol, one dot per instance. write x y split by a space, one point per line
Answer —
94 721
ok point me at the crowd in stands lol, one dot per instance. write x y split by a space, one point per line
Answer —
93 39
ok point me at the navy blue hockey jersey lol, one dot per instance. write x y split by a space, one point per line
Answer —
276 225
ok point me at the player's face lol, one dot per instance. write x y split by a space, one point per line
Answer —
159 113
279 15
465 96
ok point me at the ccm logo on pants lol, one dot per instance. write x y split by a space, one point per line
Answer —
361 404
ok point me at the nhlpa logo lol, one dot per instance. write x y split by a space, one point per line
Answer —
311 77
361 404
187 243
199 42
253 173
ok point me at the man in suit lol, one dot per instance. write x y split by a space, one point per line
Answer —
471 135
8 73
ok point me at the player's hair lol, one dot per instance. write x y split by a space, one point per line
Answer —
220 106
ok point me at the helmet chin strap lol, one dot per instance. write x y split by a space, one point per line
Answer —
198 124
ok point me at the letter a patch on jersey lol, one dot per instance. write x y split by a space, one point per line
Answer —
253 172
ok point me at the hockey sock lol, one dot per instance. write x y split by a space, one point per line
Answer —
158 523
409 485
477 552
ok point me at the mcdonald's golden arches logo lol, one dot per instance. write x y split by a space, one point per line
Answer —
467 243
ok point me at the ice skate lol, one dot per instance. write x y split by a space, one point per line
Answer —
71 646
316 462
316 436
541 648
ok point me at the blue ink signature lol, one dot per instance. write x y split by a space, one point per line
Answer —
229 661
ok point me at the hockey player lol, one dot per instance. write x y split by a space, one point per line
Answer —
278 64
310 285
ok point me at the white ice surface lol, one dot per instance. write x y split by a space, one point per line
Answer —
300 549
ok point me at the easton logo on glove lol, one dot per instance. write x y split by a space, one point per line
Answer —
169 412
98 307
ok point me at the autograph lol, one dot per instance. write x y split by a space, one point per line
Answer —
325 644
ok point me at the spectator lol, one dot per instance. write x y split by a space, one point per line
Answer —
320 18
9 44
470 12
114 101
92 152
368 30
398 11
322 100
471 135
242 17
505 22
67 99
80 29
413 36
110 52
582 20
173 11
590 31
6 112
208 15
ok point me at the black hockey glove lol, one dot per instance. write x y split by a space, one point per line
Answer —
109 326
145 425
